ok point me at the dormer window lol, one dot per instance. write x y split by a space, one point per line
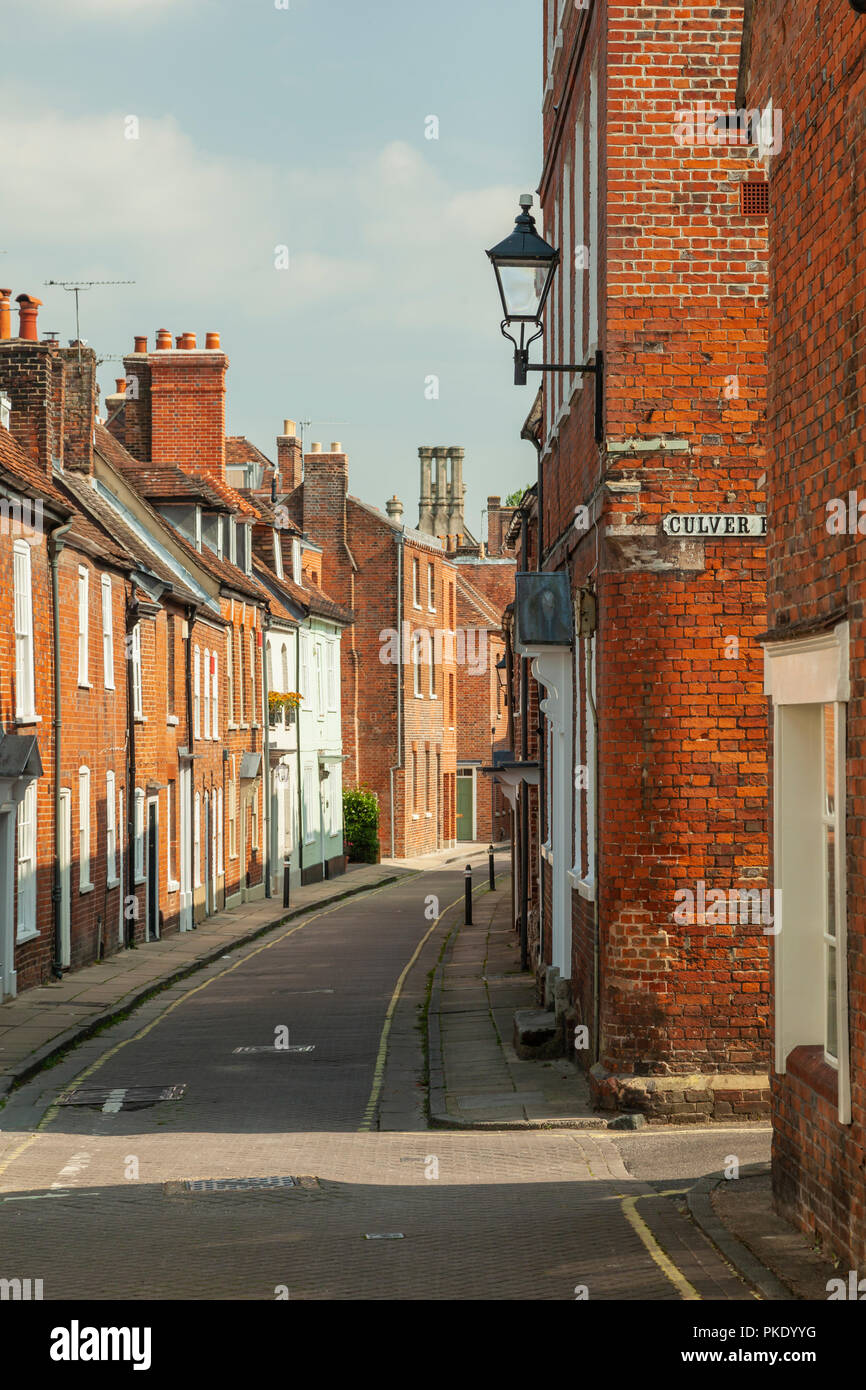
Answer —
232 540
278 555
296 559
198 529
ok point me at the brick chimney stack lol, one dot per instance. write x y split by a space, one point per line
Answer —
290 457
175 404
326 483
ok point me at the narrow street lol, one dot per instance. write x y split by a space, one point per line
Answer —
94 1197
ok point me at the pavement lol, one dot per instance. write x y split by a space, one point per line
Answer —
258 1126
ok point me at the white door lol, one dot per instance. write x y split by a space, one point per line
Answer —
64 851
184 828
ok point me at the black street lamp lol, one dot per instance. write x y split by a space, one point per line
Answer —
524 265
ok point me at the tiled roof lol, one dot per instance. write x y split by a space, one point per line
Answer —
475 607
222 494
104 514
14 461
239 450
314 600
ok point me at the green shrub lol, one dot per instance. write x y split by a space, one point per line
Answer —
361 824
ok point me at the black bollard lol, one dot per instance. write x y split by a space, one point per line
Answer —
287 870
490 866
468 914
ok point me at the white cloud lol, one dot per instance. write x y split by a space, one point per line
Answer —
387 235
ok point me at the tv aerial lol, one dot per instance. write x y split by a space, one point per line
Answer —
77 287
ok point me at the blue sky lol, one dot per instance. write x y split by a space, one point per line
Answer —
260 127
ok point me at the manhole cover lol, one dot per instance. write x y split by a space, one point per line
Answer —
269 1047
243 1184
115 1098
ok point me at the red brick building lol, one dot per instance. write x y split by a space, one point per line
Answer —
399 683
654 762
808 68
149 815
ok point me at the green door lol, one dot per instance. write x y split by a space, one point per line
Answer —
465 803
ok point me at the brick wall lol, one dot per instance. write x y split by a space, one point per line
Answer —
672 289
811 65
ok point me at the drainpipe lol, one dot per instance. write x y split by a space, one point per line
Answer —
542 779
595 942
56 542
399 763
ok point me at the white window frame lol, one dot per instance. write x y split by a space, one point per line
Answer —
85 884
220 844
333 695
416 582
138 871
431 688
111 830
107 632
594 249
297 569
196 846
206 682
83 626
801 677
196 693
230 675
320 683
431 587
28 839
310 803
305 666
336 798
242 677
25 668
417 642
215 697
254 713
137 694
278 555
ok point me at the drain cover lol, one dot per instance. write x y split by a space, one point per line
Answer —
269 1047
115 1098
244 1184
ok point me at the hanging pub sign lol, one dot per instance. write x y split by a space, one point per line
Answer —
714 525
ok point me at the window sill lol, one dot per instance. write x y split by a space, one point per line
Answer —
139 881
584 886
106 686
28 719
25 937
172 887
113 883
415 815
85 888
232 728
428 815
85 685
808 1065
140 718
172 721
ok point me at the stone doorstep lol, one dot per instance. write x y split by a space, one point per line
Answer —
718 1095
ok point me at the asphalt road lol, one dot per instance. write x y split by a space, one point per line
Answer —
95 1198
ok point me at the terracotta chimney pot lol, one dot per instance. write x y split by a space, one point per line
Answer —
178 342
212 341
140 344
188 341
120 385
28 308
163 340
5 314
